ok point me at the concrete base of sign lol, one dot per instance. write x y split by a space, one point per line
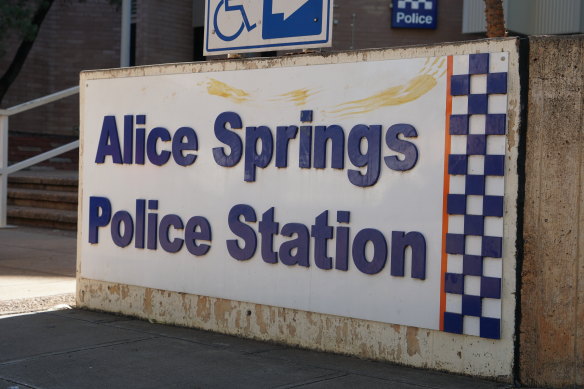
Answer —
417 347
366 339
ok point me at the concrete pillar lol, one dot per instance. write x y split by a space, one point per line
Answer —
552 294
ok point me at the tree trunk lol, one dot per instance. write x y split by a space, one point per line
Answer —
24 49
495 18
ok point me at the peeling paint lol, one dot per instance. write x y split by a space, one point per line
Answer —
238 319
222 308
186 303
412 341
305 329
148 301
291 329
204 308
260 320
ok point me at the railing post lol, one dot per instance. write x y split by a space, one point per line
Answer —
3 166
126 32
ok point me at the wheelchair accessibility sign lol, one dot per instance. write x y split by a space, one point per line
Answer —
238 26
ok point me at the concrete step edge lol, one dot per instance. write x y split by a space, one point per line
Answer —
42 195
44 179
14 211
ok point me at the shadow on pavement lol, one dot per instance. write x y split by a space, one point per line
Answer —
83 349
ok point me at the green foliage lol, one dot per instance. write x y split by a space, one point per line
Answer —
16 19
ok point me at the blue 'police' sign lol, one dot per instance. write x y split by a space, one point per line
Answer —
414 14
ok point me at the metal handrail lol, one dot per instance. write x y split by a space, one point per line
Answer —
5 170
40 101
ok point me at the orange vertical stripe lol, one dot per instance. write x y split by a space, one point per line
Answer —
444 259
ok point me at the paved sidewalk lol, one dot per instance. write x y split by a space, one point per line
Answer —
37 269
80 349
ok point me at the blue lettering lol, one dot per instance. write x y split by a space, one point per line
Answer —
379 251
167 245
400 241
252 158
100 211
109 142
321 232
184 139
268 228
156 158
370 159
300 245
242 230
229 138
408 149
198 228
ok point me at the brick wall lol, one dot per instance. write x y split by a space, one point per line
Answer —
370 27
74 36
164 31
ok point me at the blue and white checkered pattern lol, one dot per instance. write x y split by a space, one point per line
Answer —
415 4
476 168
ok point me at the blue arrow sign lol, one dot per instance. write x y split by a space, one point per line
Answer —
304 21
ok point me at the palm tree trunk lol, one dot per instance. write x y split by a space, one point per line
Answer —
495 18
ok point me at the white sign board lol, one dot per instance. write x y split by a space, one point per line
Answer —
373 197
238 26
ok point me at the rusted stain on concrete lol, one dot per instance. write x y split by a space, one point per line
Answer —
412 341
221 309
148 301
238 319
305 329
124 291
261 323
114 289
203 308
291 330
398 353
342 332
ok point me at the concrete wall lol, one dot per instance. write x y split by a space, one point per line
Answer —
552 295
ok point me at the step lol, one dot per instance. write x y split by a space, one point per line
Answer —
26 145
41 198
64 181
42 217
